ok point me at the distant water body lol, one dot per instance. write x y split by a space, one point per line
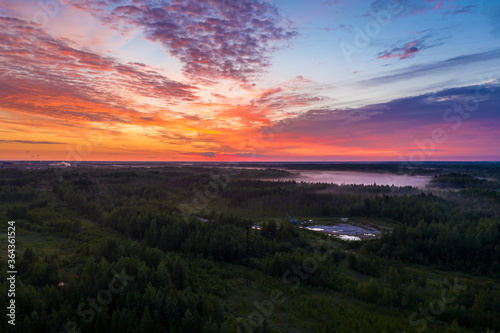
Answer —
355 177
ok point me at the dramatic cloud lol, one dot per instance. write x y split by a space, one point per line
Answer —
48 76
437 107
200 80
213 39
458 113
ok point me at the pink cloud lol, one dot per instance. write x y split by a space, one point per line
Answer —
411 48
46 75
408 51
213 39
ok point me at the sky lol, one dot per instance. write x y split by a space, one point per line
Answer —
250 80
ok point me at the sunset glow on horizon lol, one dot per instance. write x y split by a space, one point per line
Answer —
250 80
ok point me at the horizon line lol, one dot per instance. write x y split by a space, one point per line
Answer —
208 161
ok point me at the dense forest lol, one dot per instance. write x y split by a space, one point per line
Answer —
206 249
